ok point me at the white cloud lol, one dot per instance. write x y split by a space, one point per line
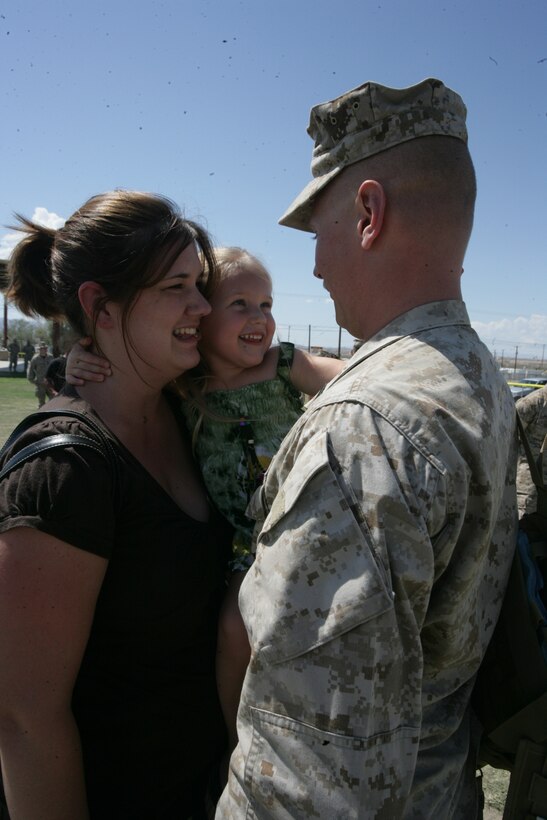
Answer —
528 333
7 243
42 216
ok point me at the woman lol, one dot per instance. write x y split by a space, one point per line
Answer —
110 584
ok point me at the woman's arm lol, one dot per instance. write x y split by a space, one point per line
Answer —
48 592
310 374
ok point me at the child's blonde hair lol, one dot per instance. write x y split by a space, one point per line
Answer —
233 260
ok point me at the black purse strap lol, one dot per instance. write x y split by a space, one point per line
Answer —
105 447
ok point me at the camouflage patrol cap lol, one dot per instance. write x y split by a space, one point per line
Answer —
370 119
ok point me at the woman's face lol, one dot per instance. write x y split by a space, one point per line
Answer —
163 325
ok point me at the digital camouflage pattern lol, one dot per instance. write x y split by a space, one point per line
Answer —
36 374
532 410
370 119
386 528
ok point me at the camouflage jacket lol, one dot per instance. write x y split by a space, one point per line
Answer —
386 527
37 368
533 413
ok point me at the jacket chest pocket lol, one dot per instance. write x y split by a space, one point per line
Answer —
316 575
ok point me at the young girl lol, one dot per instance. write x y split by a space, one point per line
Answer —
239 404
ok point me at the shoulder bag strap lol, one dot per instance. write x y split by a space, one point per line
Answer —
48 443
59 440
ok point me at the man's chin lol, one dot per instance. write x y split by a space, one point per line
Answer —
342 321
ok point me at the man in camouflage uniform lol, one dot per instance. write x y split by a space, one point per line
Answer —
13 349
387 520
37 370
533 414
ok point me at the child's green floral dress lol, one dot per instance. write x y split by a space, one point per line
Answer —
235 445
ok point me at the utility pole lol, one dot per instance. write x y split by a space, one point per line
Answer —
516 358
339 340
309 338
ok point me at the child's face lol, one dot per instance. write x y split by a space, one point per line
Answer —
239 330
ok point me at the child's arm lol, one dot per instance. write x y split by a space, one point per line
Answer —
83 366
311 373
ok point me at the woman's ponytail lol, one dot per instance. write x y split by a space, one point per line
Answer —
29 270
124 241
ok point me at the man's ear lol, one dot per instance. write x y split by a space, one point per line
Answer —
370 203
89 293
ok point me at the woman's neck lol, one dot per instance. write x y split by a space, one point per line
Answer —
120 407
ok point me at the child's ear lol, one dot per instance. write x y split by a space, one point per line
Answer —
89 293
371 204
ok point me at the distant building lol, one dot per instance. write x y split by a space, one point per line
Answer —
317 350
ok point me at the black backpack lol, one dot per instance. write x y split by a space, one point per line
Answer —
510 694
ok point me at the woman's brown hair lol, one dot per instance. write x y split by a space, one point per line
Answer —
125 241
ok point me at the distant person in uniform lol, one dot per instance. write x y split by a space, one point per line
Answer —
387 519
55 376
36 373
13 349
532 410
29 352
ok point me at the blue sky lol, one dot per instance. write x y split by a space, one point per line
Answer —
208 103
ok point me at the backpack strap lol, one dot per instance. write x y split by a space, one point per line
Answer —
105 447
536 473
535 466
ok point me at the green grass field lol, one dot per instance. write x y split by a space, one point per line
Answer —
17 400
